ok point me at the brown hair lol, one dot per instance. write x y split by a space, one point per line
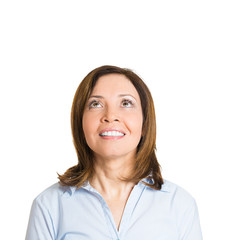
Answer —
146 164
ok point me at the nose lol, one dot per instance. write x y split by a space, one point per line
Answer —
109 116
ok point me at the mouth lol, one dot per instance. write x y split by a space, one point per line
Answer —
111 134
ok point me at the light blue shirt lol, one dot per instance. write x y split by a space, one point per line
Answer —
64 213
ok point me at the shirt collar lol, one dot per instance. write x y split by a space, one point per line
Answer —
87 186
164 186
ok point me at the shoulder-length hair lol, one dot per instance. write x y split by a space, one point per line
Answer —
146 164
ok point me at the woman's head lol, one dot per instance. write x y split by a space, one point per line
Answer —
145 159
112 119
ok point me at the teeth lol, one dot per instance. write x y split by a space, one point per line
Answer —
112 133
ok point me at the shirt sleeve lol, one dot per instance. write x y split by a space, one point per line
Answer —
40 226
190 224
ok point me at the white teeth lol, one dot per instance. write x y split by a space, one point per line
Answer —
112 133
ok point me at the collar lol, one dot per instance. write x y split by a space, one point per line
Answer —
164 188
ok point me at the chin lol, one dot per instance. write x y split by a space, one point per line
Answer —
109 155
115 154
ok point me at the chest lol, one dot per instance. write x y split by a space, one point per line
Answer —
93 217
117 208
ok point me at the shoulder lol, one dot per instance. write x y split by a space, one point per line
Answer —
172 193
52 194
179 197
175 189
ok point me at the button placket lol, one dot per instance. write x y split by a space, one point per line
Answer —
133 200
107 213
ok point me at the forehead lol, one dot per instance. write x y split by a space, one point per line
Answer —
114 83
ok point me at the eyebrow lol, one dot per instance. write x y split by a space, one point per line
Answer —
120 95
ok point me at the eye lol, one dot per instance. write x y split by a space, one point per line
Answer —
94 104
127 103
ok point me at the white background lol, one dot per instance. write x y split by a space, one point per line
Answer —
180 48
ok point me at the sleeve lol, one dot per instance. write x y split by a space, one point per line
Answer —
190 224
40 226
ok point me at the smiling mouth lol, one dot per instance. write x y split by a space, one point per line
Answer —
112 134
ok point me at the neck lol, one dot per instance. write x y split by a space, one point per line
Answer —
107 176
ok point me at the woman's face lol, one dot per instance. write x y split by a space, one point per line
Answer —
112 119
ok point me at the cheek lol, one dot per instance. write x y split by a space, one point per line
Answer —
86 126
90 125
136 122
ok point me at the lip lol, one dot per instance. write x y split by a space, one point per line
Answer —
112 129
112 137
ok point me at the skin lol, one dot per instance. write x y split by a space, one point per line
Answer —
109 107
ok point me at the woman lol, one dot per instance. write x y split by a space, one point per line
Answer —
116 190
